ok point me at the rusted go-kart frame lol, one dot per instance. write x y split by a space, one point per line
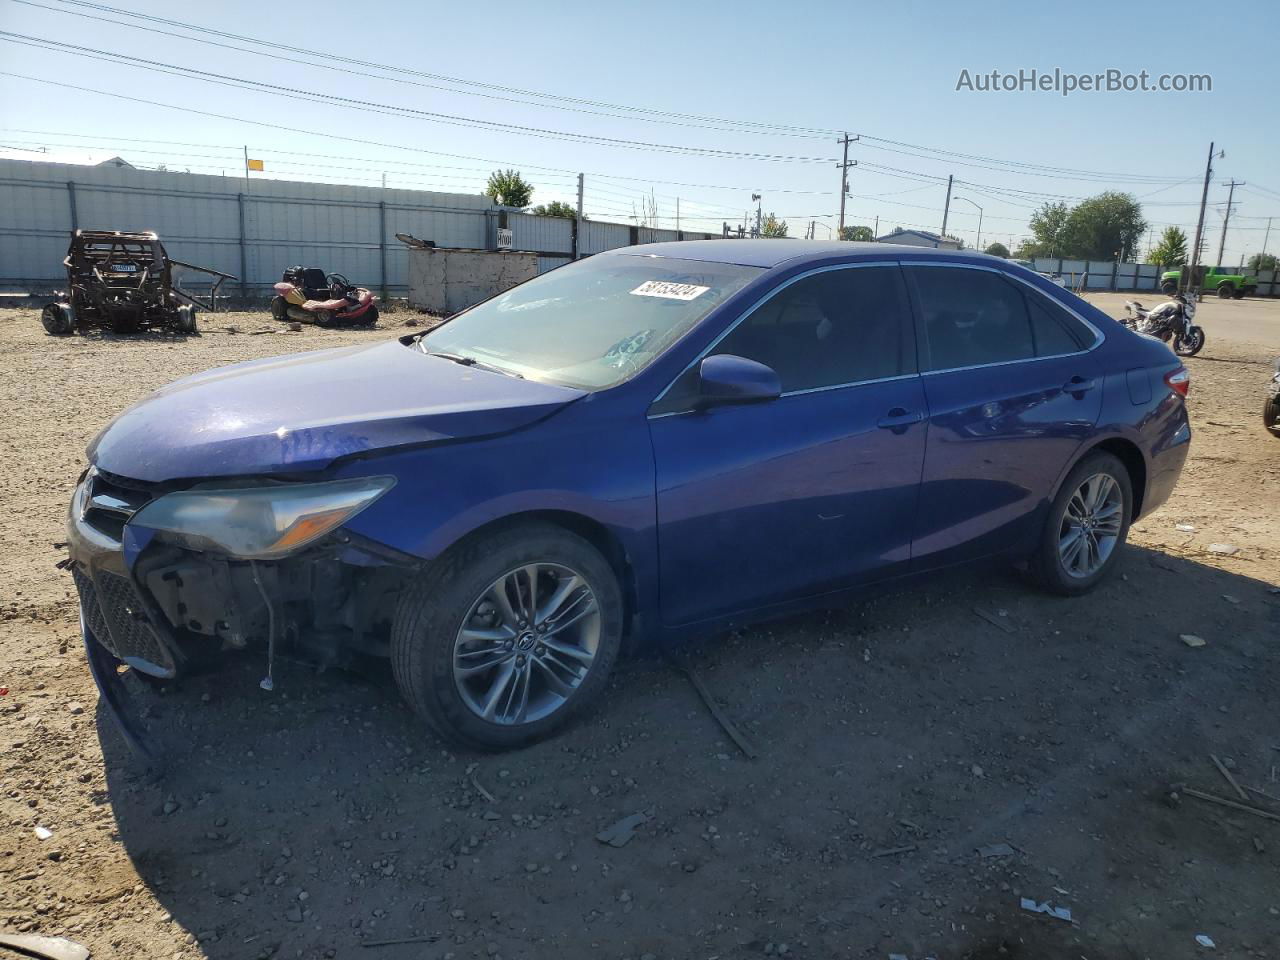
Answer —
123 282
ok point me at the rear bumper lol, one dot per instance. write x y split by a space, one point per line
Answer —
1165 466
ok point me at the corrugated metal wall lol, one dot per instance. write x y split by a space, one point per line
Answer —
255 233
1106 275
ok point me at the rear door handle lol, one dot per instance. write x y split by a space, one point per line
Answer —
1079 385
898 419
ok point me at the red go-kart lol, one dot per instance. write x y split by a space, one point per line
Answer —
309 295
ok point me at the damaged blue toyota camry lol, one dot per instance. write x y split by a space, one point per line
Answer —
652 443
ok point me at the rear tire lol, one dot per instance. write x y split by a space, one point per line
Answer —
1051 564
428 646
369 317
56 319
186 322
1168 288
1226 291
1271 415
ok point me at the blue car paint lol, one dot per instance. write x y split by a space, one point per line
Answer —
718 516
299 413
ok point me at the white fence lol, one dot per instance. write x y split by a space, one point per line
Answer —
255 230
1109 275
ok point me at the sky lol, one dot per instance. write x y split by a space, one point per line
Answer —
705 102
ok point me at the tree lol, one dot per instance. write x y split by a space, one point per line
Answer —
998 250
773 227
1105 227
1171 251
1048 226
1262 261
556 208
862 234
509 189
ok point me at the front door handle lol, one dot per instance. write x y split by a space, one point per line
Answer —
1079 385
898 419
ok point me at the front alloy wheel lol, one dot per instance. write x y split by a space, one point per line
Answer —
508 635
527 644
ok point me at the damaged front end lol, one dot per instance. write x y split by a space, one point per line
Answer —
173 578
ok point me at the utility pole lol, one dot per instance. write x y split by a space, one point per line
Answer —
1226 218
677 218
246 168
759 214
1265 237
875 234
577 227
1187 282
946 209
844 178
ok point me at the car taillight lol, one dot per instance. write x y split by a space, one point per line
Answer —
1179 381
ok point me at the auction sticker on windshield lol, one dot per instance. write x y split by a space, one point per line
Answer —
669 291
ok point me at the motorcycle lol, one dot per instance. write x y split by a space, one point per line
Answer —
1271 407
1170 322
311 295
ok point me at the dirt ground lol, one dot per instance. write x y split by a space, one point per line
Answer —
897 739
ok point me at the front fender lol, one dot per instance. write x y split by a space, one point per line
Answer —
566 465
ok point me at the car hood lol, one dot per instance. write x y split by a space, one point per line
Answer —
303 411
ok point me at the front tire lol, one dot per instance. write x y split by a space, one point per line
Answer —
1168 288
1191 344
508 636
279 309
369 317
1086 528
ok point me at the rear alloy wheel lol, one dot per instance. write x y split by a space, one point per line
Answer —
1088 522
508 636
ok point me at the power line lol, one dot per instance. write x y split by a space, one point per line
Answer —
329 59
275 46
370 106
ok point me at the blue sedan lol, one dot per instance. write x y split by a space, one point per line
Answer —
652 443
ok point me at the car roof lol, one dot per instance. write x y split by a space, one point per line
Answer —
775 252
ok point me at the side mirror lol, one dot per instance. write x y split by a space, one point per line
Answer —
726 379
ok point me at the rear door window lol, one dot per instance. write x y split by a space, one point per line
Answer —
971 317
1056 332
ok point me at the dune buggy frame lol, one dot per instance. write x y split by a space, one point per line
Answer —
123 282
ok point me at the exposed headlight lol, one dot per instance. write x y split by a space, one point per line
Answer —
259 523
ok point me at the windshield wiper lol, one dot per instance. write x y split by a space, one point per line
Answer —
465 361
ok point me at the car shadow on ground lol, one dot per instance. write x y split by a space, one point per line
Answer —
896 738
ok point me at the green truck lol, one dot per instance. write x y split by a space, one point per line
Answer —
1228 282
